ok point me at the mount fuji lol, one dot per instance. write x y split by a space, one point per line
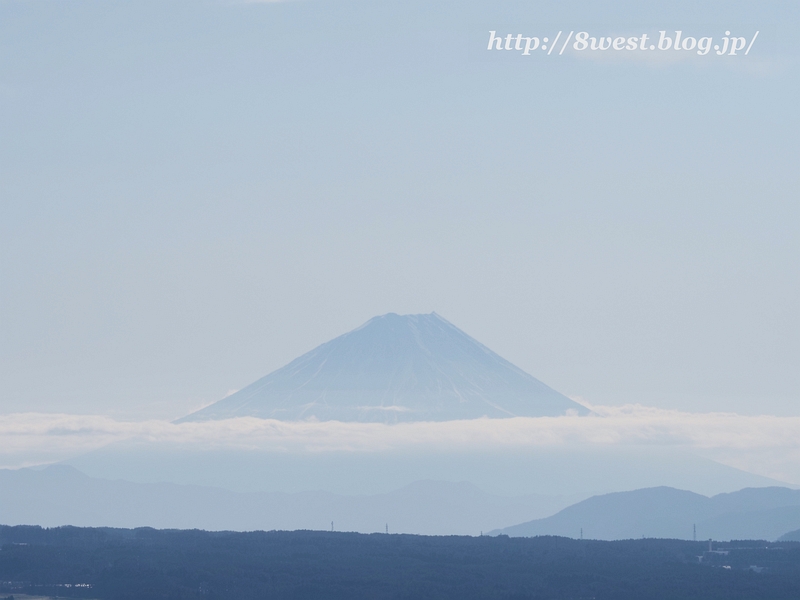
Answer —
395 368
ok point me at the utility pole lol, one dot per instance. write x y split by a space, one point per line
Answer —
694 532
331 525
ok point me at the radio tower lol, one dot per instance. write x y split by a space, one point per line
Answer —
387 528
694 532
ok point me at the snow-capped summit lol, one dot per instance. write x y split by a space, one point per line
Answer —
395 368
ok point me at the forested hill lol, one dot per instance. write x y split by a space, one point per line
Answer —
144 564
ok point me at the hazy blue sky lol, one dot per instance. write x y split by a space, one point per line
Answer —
194 193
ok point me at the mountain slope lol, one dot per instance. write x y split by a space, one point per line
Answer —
395 368
753 513
792 536
650 512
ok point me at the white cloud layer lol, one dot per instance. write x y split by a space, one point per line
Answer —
767 445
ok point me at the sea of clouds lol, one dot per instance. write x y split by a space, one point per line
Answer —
766 445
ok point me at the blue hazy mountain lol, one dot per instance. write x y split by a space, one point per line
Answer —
571 472
61 495
395 368
792 536
754 513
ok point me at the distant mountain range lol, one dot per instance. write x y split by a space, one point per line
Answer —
516 472
395 368
663 512
62 495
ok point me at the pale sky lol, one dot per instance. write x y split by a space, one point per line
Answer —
194 193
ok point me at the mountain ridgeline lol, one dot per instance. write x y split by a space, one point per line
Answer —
395 368
664 512
60 495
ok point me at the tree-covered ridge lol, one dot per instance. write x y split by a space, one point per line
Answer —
143 564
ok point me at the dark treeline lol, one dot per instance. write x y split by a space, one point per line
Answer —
144 564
